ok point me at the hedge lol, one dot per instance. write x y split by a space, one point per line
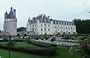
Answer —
12 40
40 51
42 44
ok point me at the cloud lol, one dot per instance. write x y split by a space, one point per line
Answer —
57 9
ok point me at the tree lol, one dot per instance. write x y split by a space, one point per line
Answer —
82 26
28 40
24 35
9 44
85 48
18 35
21 29
53 39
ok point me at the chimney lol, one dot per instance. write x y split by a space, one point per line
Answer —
14 13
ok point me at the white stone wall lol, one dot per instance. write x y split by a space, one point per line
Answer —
50 28
10 26
28 27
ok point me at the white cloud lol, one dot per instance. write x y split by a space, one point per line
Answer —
58 9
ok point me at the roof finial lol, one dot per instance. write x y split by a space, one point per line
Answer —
11 8
29 19
6 13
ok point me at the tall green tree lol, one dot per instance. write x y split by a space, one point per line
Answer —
21 29
82 26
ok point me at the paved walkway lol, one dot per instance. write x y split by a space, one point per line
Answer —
1 57
59 43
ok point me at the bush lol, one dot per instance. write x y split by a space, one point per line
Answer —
12 40
40 51
53 39
36 38
46 38
83 38
43 44
66 37
10 43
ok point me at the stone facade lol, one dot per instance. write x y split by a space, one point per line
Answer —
44 24
10 22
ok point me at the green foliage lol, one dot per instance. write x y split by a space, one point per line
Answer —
5 38
62 52
10 43
1 36
43 44
21 29
24 36
53 39
83 26
66 37
84 48
32 50
36 38
18 35
46 38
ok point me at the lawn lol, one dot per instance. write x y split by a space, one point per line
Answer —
21 44
62 52
78 37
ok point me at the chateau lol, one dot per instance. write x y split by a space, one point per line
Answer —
10 22
43 24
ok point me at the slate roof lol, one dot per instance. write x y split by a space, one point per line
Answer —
61 21
11 14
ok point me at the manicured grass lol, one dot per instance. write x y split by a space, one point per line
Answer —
25 44
78 37
21 44
62 52
70 41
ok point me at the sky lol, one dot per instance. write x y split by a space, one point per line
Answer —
56 9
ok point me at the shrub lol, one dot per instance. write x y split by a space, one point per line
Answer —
10 43
43 44
36 38
66 37
53 39
46 37
40 51
83 38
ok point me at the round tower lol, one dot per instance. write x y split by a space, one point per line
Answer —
10 22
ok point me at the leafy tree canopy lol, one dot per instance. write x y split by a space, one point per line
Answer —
82 26
21 29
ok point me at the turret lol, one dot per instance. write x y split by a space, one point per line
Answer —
14 13
10 22
5 15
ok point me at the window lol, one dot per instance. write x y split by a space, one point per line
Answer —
32 29
32 25
57 22
35 25
62 23
45 25
41 25
48 29
54 22
48 25
58 25
41 29
65 23
45 29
